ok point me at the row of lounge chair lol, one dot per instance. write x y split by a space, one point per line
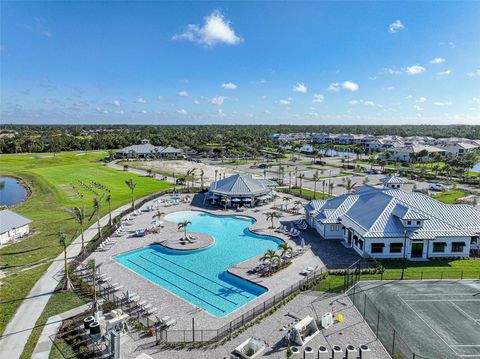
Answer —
291 232
148 309
301 224
106 244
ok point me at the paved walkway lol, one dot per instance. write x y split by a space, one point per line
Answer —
44 344
21 325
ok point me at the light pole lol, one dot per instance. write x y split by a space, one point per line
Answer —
405 248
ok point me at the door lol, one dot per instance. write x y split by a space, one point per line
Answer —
417 250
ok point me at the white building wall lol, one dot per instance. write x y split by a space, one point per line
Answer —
13 234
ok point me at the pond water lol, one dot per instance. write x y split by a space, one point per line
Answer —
12 192
476 168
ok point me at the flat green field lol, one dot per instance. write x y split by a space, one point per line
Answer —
449 196
50 180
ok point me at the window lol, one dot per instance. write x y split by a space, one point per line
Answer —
457 247
360 244
439 247
409 223
396 247
418 223
377 247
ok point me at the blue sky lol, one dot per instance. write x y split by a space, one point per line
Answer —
240 62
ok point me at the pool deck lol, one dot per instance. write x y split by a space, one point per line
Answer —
200 241
183 311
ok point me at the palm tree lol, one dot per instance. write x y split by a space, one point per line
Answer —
78 215
286 200
158 215
296 176
183 225
93 268
202 173
109 201
298 203
271 216
190 173
323 189
349 185
275 197
285 249
96 210
331 185
67 284
216 173
316 178
224 199
271 256
301 176
131 184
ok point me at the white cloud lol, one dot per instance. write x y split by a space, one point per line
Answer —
449 44
395 26
287 101
421 99
220 113
196 102
444 73
318 98
415 70
160 98
182 111
215 30
363 102
390 71
116 103
182 93
120 112
218 100
300 87
418 108
437 60
346 85
144 112
447 103
229 86
141 100
353 102
267 112
474 73
369 103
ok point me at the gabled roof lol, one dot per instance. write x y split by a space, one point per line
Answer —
240 185
393 180
375 212
10 220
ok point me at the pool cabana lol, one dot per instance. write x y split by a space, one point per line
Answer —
241 189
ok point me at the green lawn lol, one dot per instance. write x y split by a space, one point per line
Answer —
59 302
306 193
449 196
435 269
49 180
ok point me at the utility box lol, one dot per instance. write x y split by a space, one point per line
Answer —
352 352
365 352
337 352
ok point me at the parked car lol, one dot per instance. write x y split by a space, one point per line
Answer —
437 187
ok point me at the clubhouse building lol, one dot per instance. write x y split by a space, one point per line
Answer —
146 150
241 189
391 223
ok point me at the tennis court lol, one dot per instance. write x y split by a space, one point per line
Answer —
432 319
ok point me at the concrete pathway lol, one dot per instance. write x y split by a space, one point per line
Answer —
22 323
44 344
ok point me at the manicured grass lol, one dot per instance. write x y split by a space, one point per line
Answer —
306 193
49 180
59 302
434 269
449 196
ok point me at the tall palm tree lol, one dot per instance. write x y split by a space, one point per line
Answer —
301 176
96 210
298 203
296 176
286 200
109 201
78 215
275 197
271 216
93 268
316 178
183 225
349 185
216 173
202 173
331 185
323 189
67 284
131 184
224 199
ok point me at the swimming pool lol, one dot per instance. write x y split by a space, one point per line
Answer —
200 276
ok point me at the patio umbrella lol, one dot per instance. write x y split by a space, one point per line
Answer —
156 222
236 199
302 242
246 199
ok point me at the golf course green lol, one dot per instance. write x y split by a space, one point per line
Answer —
56 183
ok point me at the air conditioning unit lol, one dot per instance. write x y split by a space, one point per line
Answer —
323 353
308 353
352 352
365 352
337 352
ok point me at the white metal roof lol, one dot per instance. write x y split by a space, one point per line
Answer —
240 185
10 220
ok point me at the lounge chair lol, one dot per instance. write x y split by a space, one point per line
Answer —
170 322
164 319
152 310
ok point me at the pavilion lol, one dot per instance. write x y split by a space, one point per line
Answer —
241 189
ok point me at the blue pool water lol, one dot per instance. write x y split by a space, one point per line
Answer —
200 277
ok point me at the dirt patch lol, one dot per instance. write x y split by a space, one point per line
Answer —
182 167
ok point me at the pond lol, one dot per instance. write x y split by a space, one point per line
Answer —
476 168
12 192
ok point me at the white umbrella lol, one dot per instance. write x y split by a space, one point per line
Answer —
236 199
246 199
302 242
156 222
